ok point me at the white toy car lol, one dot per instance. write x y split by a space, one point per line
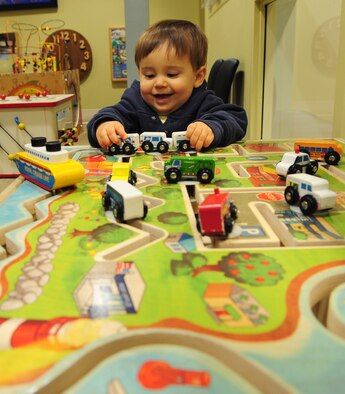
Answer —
127 147
155 141
295 163
309 192
125 200
180 141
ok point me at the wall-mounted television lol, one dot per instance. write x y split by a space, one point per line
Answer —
14 5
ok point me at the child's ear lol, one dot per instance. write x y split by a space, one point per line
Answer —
200 76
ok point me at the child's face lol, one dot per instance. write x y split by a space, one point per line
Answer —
167 81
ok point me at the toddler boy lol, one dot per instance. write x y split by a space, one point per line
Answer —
171 94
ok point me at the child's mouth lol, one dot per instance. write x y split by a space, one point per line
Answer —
162 96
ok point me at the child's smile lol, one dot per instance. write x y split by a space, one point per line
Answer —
162 98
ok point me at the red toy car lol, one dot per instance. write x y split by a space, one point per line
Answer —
217 214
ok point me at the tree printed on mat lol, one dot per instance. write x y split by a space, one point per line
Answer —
254 269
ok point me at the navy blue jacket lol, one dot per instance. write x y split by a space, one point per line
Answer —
227 121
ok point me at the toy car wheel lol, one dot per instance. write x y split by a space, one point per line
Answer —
233 211
133 179
162 147
147 146
128 149
113 150
308 205
184 146
146 209
173 175
204 175
106 201
118 213
291 195
295 169
312 167
198 224
332 158
228 225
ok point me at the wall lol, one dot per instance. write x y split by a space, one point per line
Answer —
93 20
316 54
236 28
339 96
230 28
177 9
300 71
97 90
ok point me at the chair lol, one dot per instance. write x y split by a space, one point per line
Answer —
237 88
221 77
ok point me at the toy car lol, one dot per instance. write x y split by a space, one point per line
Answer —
216 214
187 167
294 163
122 170
127 147
309 192
328 150
125 200
155 141
180 141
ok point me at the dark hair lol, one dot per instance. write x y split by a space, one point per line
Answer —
183 36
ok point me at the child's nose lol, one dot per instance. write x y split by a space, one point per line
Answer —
160 81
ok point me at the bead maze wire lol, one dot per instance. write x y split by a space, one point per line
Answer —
37 57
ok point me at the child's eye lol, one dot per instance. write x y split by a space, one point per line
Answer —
172 75
149 76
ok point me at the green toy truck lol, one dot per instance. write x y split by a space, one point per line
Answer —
189 167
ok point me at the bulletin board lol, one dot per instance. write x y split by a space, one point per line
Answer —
118 54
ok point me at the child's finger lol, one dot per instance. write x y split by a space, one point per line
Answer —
190 130
208 140
195 137
199 143
120 130
104 141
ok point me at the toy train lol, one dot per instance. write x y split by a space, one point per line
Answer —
151 142
47 165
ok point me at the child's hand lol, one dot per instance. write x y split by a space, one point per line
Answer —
200 135
108 133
